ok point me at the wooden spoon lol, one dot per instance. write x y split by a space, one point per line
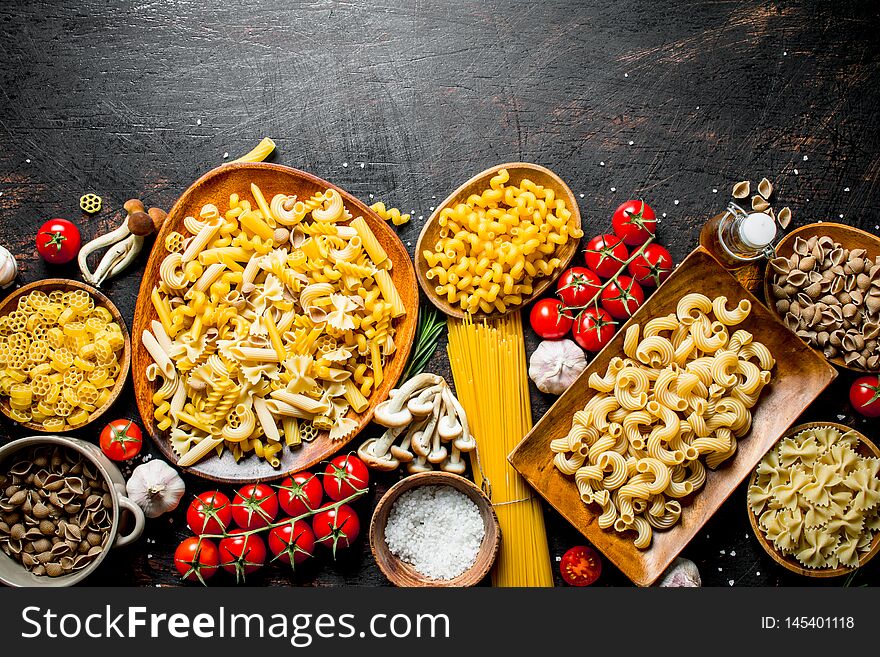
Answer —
476 185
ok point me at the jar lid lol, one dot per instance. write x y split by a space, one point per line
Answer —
758 230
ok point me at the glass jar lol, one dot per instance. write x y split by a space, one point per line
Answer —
737 238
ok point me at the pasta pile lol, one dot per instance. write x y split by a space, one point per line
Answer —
682 393
494 245
59 358
274 318
817 499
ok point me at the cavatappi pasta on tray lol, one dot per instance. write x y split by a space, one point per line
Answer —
494 245
681 397
275 318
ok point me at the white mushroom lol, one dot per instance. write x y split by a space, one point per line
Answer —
454 464
393 412
375 454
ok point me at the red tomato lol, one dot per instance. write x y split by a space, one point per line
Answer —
593 329
605 255
196 559
209 513
292 540
344 476
58 241
622 297
652 266
865 395
336 527
121 440
581 566
254 506
242 554
300 494
548 321
634 222
578 286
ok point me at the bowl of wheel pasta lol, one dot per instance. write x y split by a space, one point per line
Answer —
275 313
670 417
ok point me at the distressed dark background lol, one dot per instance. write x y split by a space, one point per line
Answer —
402 100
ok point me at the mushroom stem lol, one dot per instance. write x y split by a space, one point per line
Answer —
117 258
99 243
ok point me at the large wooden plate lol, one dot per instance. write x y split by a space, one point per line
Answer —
800 375
215 187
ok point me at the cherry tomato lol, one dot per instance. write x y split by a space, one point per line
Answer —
593 329
578 286
865 395
58 241
336 527
605 255
242 554
634 222
652 266
548 321
292 540
622 297
300 493
581 566
209 513
344 476
254 506
121 440
196 559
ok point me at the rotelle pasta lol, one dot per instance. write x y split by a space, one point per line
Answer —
59 358
274 319
676 403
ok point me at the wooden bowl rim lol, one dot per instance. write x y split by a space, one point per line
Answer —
419 262
787 561
489 547
125 363
788 241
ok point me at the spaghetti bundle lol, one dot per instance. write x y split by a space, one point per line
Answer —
489 367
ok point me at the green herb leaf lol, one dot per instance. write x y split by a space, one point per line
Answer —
430 326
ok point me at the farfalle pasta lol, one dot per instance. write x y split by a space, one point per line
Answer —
275 317
676 403
817 499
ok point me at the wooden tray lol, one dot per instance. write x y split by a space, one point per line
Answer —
848 236
215 187
800 375
517 170
48 285
866 448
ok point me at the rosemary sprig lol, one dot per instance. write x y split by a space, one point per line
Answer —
430 326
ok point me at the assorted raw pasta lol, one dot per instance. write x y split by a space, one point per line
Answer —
817 499
275 317
59 358
677 402
493 246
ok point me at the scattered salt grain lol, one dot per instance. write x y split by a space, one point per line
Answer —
784 53
730 581
345 164
714 191
720 569
432 208
198 122
601 164
723 551
732 553
806 158
437 529
663 215
581 195
698 107
675 201
631 142
614 189
28 160
363 164
841 216
225 155
626 75
558 558
371 196
841 417
795 172
758 573
846 189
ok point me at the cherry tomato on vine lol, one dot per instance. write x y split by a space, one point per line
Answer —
300 493
865 395
605 255
622 297
344 476
254 506
581 566
242 554
209 513
121 440
336 527
196 559
548 321
634 222
593 329
578 286
652 266
58 241
292 540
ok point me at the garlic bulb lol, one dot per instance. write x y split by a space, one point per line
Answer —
155 487
682 573
8 268
555 365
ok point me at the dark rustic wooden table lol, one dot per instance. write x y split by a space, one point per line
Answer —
401 101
